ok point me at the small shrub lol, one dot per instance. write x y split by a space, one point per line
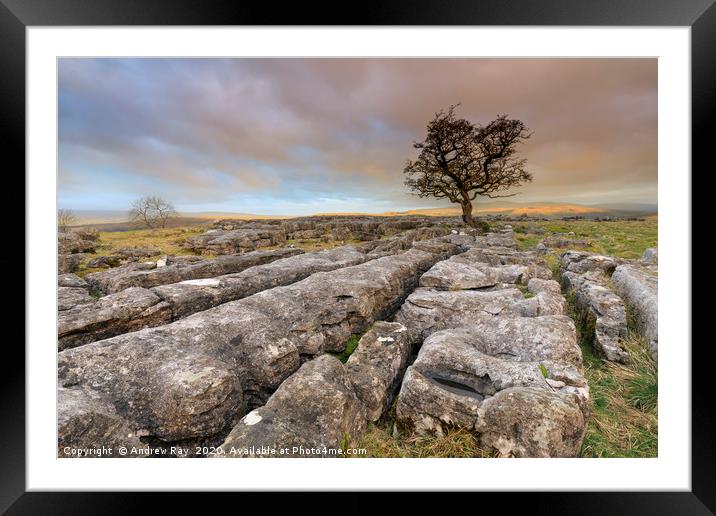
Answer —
482 226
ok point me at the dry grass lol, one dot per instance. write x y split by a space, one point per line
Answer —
623 397
379 442
383 440
624 420
169 240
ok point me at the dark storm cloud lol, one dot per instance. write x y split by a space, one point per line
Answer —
286 133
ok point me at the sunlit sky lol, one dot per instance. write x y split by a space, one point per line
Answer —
301 136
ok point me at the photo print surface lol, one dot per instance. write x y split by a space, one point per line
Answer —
357 257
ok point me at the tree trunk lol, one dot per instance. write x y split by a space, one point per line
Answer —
467 213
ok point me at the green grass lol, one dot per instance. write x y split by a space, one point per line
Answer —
351 346
624 238
528 242
624 405
525 291
553 263
623 397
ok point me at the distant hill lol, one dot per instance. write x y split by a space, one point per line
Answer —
631 208
539 209
534 210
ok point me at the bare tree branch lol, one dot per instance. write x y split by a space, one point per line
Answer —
460 161
152 211
65 219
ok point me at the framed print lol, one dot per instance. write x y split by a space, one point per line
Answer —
443 244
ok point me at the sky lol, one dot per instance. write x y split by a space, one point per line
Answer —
300 136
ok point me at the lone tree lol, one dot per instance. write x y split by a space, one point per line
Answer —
460 160
153 211
65 219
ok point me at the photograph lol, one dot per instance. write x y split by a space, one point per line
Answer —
357 257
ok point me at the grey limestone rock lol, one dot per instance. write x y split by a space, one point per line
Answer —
72 291
83 421
195 377
149 275
610 325
639 287
111 315
651 254
460 379
311 414
219 241
67 263
582 262
194 295
532 422
376 367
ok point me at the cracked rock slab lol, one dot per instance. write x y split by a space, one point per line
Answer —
427 310
191 296
218 241
640 289
532 422
167 392
610 324
84 421
72 291
316 408
587 276
67 263
376 366
469 270
111 315
583 262
150 275
194 377
462 378
70 297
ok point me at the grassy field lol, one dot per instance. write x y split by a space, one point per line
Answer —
624 238
169 240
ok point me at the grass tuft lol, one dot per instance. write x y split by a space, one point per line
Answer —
379 442
351 346
525 291
623 399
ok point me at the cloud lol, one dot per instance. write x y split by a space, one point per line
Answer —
274 133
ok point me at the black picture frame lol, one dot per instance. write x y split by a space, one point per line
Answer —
17 15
